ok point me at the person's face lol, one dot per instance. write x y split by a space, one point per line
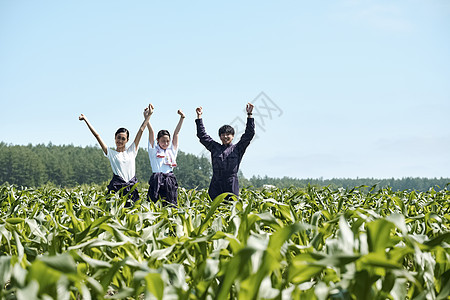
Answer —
226 138
121 139
164 142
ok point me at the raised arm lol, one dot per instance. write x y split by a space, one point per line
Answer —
177 129
151 134
96 135
147 113
249 130
199 111
204 138
249 109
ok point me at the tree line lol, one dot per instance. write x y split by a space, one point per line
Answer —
396 184
69 166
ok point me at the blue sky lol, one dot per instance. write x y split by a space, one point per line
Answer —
351 88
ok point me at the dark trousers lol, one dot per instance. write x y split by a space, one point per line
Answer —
163 186
117 183
223 184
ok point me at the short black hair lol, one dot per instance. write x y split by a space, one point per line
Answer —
162 133
120 130
227 129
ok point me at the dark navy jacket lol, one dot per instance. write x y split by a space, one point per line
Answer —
225 159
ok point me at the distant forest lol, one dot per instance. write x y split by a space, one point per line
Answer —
69 166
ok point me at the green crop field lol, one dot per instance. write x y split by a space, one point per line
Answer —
312 243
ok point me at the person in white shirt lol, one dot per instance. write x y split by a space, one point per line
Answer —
162 154
122 159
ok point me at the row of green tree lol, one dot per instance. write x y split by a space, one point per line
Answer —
69 166
396 184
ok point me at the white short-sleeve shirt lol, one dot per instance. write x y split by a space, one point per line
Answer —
123 163
157 163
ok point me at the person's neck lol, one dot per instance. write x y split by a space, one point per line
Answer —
122 149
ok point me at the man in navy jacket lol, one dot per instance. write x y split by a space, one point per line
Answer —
227 156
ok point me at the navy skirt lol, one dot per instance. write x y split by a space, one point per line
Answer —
163 186
117 183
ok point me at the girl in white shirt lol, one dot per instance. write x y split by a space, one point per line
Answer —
162 154
122 159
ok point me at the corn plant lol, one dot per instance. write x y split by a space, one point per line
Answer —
311 243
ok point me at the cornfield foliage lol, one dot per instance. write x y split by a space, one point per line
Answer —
312 243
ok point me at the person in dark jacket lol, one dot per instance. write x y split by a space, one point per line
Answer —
225 157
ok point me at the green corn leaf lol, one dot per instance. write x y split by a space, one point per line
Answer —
29 292
5 269
438 240
155 285
379 260
63 263
379 235
216 203
15 221
300 271
293 243
46 276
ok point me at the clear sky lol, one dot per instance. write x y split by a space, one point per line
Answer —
350 88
